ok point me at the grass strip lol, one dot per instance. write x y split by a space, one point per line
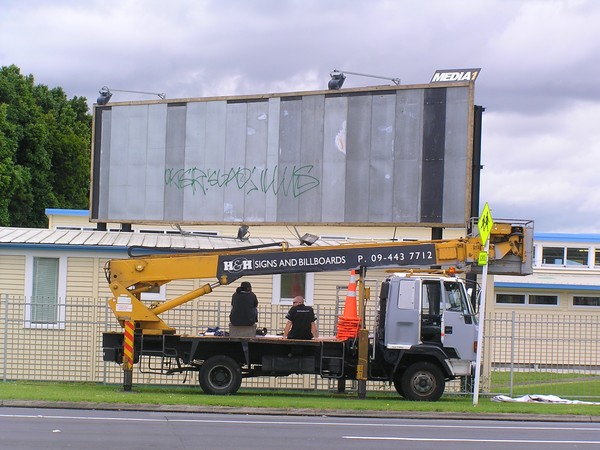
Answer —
279 399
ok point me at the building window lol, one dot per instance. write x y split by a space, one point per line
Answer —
513 299
565 256
527 299
288 285
577 256
553 255
45 292
156 293
543 299
585 301
597 259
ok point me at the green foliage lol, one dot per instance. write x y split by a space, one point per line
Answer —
44 150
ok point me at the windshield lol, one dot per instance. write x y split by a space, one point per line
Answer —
456 298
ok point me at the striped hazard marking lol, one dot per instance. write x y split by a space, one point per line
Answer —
128 344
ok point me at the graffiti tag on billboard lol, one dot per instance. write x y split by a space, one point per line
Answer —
281 180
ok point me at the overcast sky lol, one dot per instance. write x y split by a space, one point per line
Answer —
540 78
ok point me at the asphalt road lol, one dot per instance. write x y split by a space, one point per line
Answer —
49 429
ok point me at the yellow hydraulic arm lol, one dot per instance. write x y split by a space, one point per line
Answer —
510 244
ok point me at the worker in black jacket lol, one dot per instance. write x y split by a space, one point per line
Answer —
244 311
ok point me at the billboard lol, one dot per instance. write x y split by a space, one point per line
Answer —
386 155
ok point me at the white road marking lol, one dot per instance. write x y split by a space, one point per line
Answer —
469 425
495 441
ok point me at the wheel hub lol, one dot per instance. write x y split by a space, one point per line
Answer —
220 377
423 382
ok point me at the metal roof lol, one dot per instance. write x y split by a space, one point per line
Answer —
91 239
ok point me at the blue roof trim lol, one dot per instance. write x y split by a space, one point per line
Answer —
563 287
67 212
566 237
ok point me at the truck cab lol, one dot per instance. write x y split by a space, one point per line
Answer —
428 315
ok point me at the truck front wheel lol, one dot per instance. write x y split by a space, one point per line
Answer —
220 375
422 381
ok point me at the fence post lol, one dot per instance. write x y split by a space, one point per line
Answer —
218 315
315 376
5 362
512 352
104 363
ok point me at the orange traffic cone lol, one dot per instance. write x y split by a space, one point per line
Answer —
350 305
349 323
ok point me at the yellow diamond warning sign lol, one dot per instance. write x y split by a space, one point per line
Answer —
485 223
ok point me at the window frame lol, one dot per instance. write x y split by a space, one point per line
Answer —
510 303
553 247
570 262
585 296
528 297
161 295
567 262
61 293
526 303
309 290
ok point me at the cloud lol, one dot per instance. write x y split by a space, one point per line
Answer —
547 164
539 61
543 56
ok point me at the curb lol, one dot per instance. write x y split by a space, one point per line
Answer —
200 409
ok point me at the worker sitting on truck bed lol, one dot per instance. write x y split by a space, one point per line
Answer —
244 312
301 322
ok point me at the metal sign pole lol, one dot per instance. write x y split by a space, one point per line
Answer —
484 225
481 326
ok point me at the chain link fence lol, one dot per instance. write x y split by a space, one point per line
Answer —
547 354
523 353
67 344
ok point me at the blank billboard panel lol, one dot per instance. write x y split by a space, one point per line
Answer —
395 156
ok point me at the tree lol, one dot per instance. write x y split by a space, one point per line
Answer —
44 150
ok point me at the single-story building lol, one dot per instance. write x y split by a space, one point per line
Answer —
54 292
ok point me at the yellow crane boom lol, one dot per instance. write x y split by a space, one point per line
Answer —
510 245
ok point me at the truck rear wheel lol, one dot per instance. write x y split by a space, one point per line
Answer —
422 381
220 375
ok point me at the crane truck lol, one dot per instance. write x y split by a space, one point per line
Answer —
425 332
